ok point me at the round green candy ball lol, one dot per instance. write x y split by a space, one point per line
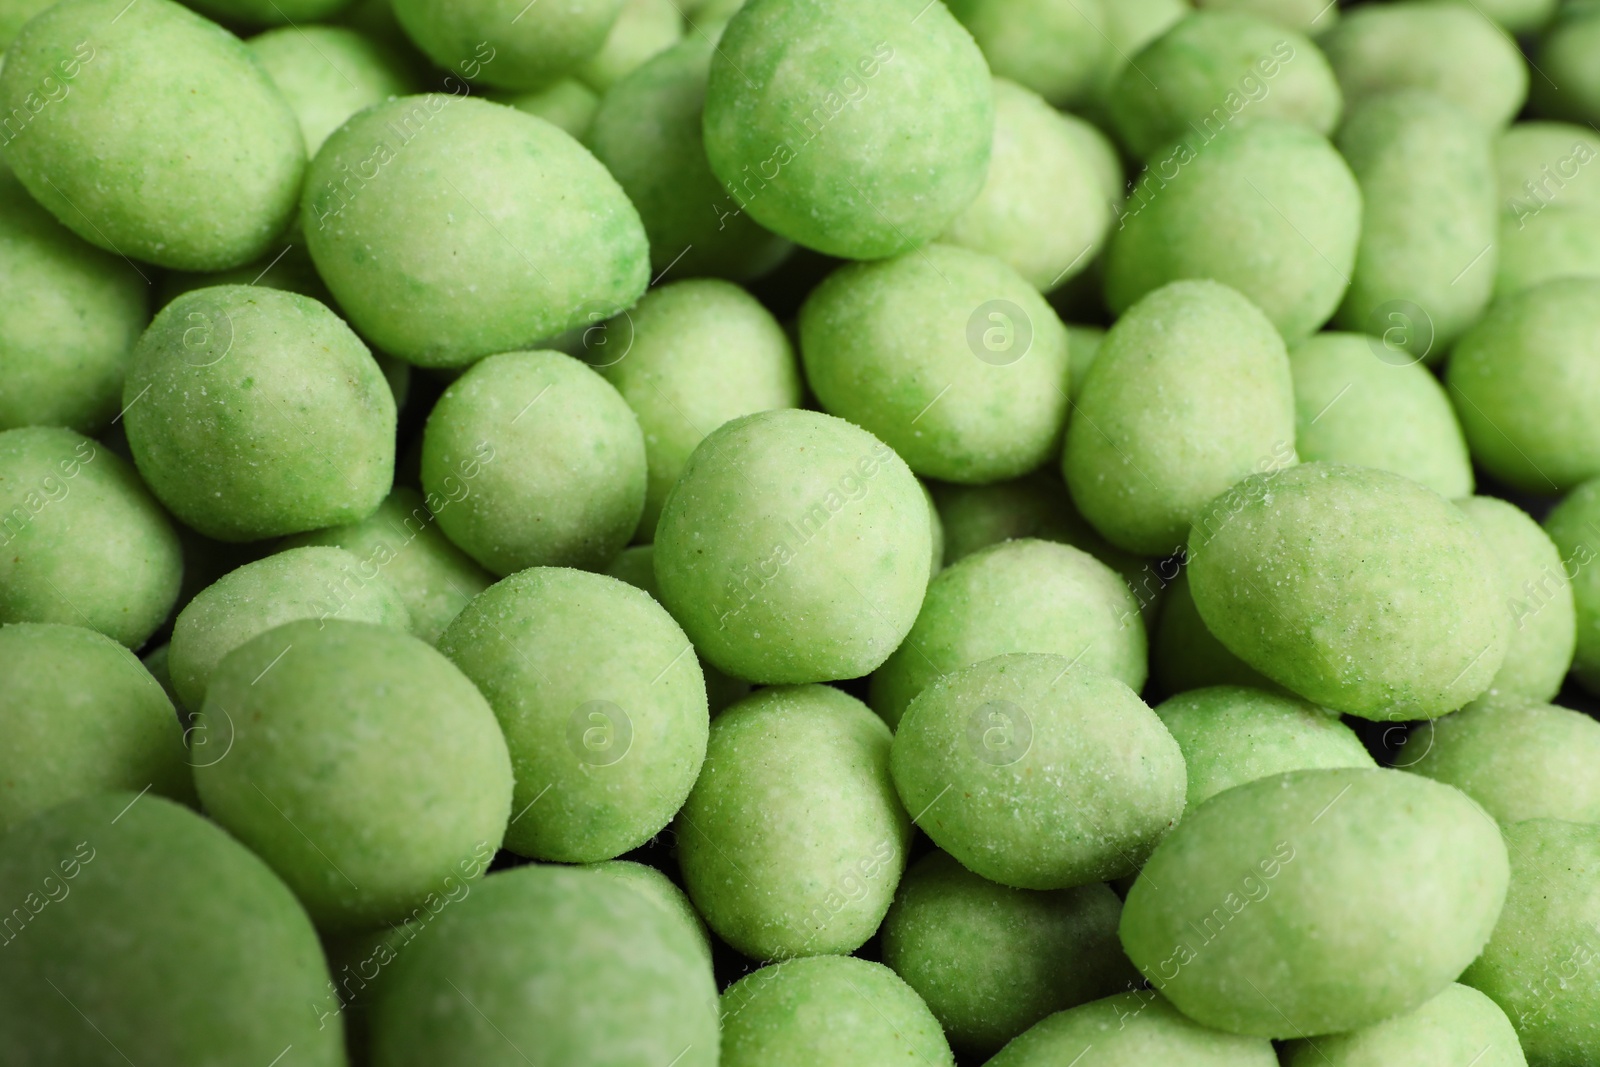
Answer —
1275 908
602 703
537 461
1357 589
81 540
946 354
1055 48
1358 401
1134 1029
193 164
1017 596
508 45
328 73
990 961
1036 773
441 264
568 103
1459 1026
568 965
1558 242
793 840
1540 164
752 564
805 95
661 891
644 28
364 767
1185 655
1569 84
1302 16
1190 392
1572 526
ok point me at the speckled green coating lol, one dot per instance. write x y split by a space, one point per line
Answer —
365 768
1519 379
1189 393
1307 887
1045 206
1184 655
794 548
946 354
300 583
570 965
1219 69
698 353
643 29
1566 55
1267 207
328 73
1303 16
1134 1029
1538 164
542 462
194 165
601 701
1438 45
81 540
1038 774
1426 264
1055 48
502 44
661 891
69 319
990 961
828 1011
1357 589
1018 596
1558 242
1357 401
793 840
82 716
1572 526
805 95
1447 1031
568 103
441 264
141 915
1538 597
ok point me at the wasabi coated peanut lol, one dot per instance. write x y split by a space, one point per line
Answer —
643 29
194 165
647 131
504 45
794 548
187 903
1036 773
1053 47
990 961
1544 164
71 314
1184 655
1518 378
1131 1030
1571 525
255 412
1217 69
568 103
1566 56
82 716
661 891
568 964
1275 909
827 1010
1017 596
1231 735
1447 1031
602 703
441 264
1355 588
364 767
1446 47
1303 16
1268 208
1426 264
947 355
541 460
804 94
81 540
699 353
1538 597
1190 392
793 840
328 73
1558 242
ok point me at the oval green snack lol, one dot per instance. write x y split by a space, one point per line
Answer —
1189 393
1275 909
542 460
1035 505
1569 88
1355 588
753 565
1539 164
792 841
568 104
1447 1031
1038 774
660 890
194 165
364 767
602 703
81 540
990 961
644 28
327 74
505 45
1558 242
1055 48
1184 654
1572 526
770 1017
1132 1029
805 94
947 355
441 265
185 904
